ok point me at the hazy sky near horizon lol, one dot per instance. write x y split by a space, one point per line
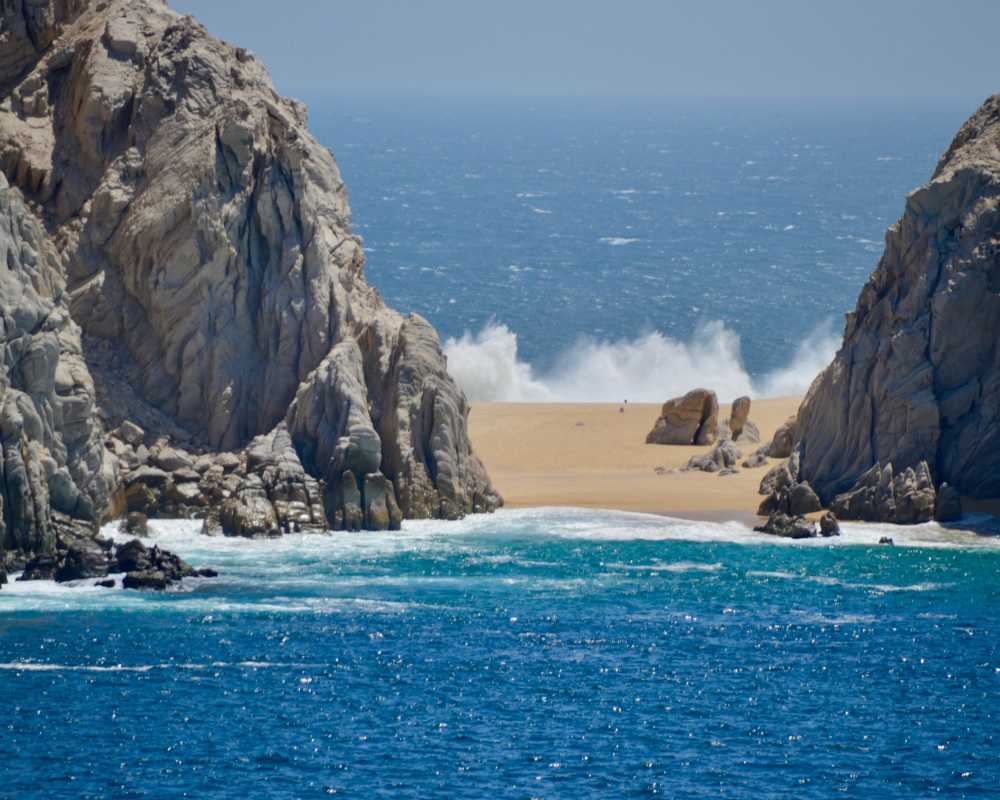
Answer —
692 48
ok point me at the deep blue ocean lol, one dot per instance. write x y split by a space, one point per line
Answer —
609 221
557 653
544 654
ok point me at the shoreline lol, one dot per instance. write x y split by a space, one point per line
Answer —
594 455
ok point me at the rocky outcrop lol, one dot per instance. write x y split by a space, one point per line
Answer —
917 379
880 495
738 427
785 438
788 527
691 419
52 456
720 458
79 553
179 254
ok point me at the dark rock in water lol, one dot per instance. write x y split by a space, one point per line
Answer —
106 584
949 504
886 540
917 378
881 496
828 525
150 579
691 419
151 567
41 568
788 527
723 456
135 524
132 556
82 559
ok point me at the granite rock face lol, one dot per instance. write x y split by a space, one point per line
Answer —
691 419
179 254
917 379
52 456
881 495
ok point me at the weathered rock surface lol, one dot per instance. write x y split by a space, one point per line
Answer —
784 440
691 419
738 427
880 495
180 269
79 553
917 378
788 527
949 504
721 457
829 525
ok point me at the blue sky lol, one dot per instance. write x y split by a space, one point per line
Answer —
692 48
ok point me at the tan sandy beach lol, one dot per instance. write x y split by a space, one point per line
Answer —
592 455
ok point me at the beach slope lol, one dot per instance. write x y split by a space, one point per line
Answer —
593 455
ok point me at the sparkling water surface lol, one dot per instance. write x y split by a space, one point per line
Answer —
547 653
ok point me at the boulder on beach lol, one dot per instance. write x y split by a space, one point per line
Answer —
691 419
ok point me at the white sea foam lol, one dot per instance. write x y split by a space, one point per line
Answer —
339 574
617 241
649 368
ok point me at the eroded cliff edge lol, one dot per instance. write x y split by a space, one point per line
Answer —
917 379
175 248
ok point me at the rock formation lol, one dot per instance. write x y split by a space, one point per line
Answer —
880 495
738 427
691 419
178 253
719 459
917 379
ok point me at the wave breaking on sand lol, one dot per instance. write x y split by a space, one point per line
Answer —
650 368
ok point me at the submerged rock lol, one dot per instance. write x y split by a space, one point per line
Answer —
691 419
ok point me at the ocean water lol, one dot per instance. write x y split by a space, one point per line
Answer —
564 252
545 653
601 250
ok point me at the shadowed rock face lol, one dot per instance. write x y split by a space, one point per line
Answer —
918 376
177 210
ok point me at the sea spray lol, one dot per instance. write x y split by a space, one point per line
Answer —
649 368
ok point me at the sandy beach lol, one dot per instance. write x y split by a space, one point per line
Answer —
593 455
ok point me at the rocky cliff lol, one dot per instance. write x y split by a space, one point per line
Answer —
918 376
178 251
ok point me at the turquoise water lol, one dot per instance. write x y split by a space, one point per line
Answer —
546 653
